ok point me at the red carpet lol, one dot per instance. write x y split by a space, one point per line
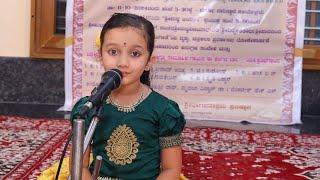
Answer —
28 146
229 154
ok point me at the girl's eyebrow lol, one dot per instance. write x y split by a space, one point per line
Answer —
111 44
137 46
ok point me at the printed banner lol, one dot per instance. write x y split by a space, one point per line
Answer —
228 60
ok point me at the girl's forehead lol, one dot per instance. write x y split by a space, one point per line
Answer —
125 30
130 33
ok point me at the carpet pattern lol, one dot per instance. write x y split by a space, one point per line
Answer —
213 153
29 146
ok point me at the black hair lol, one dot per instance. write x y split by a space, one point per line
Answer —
123 20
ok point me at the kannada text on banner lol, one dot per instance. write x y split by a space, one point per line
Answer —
229 58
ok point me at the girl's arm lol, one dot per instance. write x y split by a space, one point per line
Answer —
85 170
171 162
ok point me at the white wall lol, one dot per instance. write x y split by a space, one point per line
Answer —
15 28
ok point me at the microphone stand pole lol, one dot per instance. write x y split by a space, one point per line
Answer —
97 167
79 146
77 149
96 118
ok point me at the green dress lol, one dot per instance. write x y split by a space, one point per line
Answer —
130 143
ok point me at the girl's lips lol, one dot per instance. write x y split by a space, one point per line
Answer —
125 73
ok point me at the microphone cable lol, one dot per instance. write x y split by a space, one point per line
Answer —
63 155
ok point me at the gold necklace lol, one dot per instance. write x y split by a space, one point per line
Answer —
129 108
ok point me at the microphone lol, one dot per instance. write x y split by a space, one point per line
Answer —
110 80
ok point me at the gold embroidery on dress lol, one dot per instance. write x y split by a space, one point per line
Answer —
108 178
170 141
122 146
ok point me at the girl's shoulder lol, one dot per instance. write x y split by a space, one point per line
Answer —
163 103
78 105
159 100
75 112
160 97
81 102
171 122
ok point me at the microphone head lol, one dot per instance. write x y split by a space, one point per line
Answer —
110 80
114 74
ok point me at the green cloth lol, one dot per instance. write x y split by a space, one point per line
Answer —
155 117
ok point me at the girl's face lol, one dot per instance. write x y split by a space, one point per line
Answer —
125 49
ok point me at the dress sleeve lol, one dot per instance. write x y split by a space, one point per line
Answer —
172 123
76 110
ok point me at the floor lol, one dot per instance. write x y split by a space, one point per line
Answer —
310 124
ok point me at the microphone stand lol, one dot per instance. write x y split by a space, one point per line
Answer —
97 167
77 149
96 118
80 148
109 81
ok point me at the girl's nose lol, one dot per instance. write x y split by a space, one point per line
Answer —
123 61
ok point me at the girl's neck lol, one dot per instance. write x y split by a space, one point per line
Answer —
127 95
129 90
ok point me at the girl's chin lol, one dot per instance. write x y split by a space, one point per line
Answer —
127 82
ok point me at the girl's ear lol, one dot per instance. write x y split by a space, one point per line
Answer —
98 55
151 61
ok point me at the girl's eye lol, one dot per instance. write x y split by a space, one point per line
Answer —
135 54
112 52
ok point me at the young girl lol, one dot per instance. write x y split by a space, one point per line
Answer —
139 136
